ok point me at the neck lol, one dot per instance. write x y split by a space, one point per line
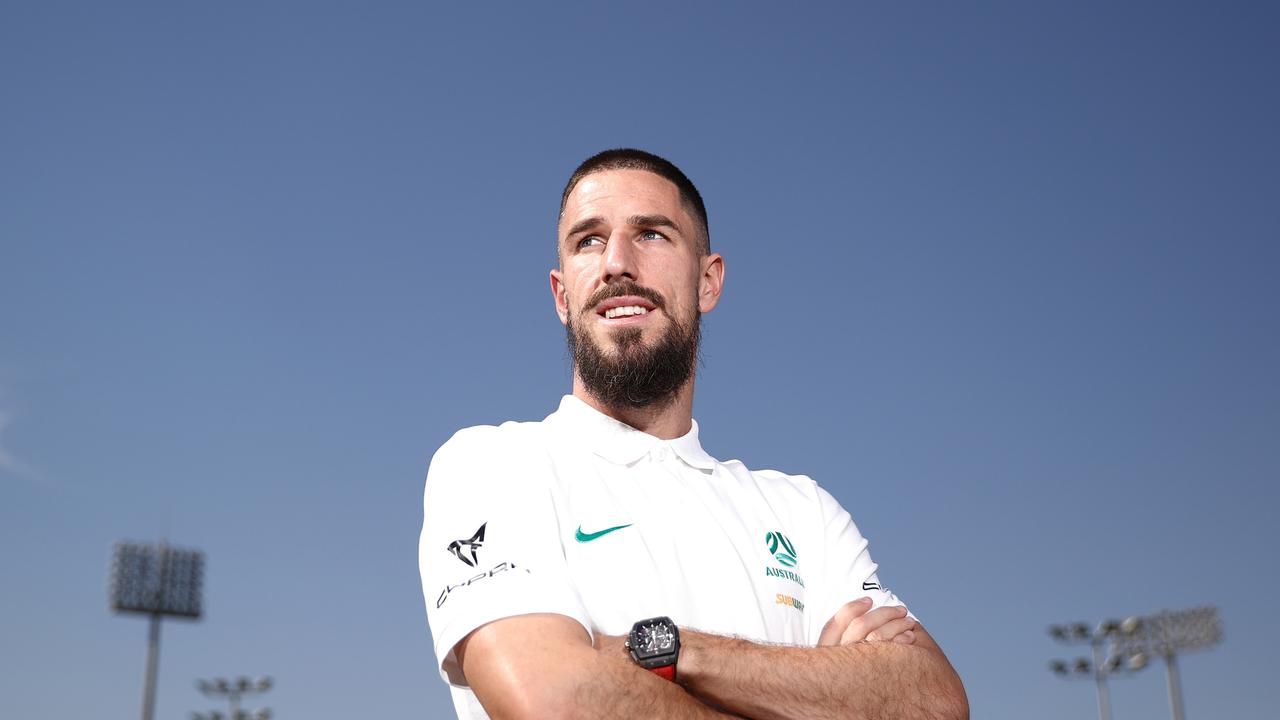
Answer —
668 420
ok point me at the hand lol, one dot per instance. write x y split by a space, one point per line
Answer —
852 623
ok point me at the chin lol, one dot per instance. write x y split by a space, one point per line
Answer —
624 339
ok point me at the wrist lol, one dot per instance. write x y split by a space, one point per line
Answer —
687 663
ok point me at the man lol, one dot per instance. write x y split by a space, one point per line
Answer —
741 593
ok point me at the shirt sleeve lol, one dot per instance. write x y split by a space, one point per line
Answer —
490 545
848 571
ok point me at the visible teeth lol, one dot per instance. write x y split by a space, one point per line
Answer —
624 311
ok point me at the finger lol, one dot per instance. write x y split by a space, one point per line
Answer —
906 638
854 609
860 627
831 633
835 627
891 629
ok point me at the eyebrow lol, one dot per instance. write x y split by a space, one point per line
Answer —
653 221
582 225
636 220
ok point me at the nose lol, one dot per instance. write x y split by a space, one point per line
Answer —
619 259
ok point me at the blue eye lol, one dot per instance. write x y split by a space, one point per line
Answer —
653 235
588 240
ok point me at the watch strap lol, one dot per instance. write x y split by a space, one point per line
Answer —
666 672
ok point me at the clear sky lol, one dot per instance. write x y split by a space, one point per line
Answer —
1002 278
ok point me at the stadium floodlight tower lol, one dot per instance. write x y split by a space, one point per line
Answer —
1104 663
158 581
1168 633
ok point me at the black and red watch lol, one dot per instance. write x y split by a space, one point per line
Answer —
655 646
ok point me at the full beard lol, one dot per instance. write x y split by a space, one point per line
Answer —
637 375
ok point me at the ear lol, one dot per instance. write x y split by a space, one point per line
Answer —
561 299
711 284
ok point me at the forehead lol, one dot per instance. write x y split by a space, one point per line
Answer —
615 194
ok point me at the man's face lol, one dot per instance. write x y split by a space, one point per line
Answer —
632 282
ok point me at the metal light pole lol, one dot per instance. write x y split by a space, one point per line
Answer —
1168 633
233 691
159 581
1104 663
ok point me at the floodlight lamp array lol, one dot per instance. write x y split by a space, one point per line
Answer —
1172 632
156 580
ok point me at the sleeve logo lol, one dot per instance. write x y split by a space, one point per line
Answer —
465 550
499 568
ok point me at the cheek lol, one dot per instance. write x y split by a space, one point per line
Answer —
574 302
575 297
577 288
690 296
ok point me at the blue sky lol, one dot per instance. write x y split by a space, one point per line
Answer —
1000 277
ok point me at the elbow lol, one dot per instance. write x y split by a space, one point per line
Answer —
951 702
941 695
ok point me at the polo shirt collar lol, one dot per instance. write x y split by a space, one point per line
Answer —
620 443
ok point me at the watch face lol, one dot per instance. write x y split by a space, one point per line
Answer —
654 640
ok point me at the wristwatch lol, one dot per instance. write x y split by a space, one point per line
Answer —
655 646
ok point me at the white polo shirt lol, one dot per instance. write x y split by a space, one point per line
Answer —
587 517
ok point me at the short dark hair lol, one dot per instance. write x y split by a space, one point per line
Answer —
632 159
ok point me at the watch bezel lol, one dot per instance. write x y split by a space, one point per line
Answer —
664 659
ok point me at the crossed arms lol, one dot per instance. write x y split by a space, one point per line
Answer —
876 664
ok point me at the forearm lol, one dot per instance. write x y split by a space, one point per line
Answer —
617 688
562 676
860 680
579 683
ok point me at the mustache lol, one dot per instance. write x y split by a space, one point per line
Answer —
621 288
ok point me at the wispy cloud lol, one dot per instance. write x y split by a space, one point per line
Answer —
10 464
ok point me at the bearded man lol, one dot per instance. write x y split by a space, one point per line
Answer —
600 564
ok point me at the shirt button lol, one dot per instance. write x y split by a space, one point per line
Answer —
662 453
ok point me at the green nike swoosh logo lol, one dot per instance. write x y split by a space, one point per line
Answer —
588 537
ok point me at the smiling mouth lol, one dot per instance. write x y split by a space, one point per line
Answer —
624 303
625 311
